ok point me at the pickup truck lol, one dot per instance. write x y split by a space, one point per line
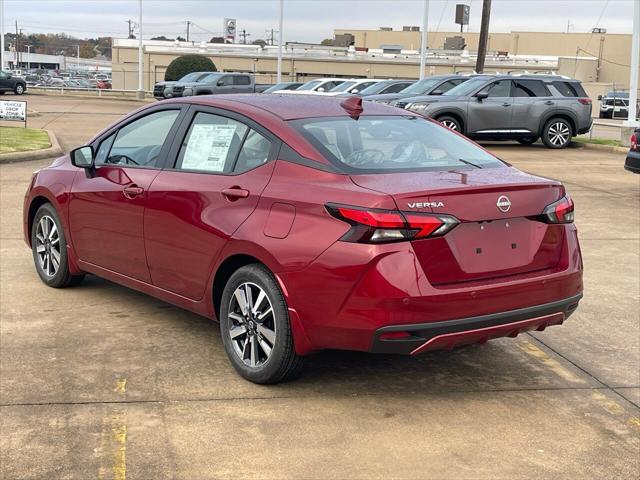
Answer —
208 83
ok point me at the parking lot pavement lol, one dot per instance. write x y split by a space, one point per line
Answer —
100 381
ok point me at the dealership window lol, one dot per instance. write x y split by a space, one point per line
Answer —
138 144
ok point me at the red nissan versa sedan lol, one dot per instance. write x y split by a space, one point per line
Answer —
305 223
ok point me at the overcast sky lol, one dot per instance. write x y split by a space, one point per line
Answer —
306 20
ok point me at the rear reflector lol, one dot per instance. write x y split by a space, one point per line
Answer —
394 335
383 226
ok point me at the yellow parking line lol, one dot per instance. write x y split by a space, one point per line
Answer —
549 362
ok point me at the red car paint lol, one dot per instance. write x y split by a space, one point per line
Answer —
168 233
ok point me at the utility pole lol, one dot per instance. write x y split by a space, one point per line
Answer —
423 41
484 35
77 58
17 65
130 22
2 55
28 57
243 33
279 69
271 36
188 25
140 93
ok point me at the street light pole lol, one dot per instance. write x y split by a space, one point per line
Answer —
2 54
423 49
633 77
279 70
140 93
77 58
28 57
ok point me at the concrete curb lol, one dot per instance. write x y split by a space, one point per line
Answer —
53 151
605 148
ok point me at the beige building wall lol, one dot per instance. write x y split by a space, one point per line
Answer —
614 50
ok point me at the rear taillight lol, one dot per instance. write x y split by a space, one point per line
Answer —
559 212
383 226
634 141
585 101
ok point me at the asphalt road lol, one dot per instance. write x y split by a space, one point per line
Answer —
102 382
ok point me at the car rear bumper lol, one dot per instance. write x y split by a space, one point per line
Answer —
384 288
632 163
417 338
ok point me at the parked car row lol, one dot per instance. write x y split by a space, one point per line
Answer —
11 83
525 108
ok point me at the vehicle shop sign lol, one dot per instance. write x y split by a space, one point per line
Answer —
13 111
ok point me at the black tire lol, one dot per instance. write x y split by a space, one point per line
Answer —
527 140
61 277
557 133
1 92
450 122
282 363
19 89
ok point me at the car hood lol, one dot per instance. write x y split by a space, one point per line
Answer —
163 83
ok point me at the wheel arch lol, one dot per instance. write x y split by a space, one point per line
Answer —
565 115
36 202
451 113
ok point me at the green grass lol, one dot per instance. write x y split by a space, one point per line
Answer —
15 139
598 141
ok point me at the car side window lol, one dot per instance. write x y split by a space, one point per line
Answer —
254 152
398 87
566 89
241 80
138 144
530 88
501 88
226 81
3 76
445 87
103 149
211 144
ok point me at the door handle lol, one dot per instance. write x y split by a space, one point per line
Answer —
234 193
506 104
132 191
549 102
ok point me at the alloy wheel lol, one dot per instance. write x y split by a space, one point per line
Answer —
48 246
559 133
19 89
252 326
450 124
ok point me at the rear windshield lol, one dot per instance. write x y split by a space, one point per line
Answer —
379 144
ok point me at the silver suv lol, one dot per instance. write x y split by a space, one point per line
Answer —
509 107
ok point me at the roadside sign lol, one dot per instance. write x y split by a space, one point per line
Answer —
13 111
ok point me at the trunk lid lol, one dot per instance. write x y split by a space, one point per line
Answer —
496 237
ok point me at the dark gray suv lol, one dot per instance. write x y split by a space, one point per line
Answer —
511 107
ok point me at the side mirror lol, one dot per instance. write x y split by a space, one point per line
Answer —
436 92
321 89
482 95
220 83
82 157
600 97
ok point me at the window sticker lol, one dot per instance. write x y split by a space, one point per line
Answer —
208 147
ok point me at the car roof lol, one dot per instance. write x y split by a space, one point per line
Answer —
289 107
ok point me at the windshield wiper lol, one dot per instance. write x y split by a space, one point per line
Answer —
469 163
